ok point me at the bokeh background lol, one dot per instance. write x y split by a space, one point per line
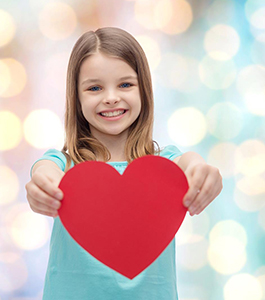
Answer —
207 60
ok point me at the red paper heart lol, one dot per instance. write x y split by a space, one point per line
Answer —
124 221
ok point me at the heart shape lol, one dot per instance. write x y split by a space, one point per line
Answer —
125 221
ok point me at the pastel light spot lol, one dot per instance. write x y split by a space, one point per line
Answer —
242 287
216 74
221 42
187 126
43 129
10 130
57 20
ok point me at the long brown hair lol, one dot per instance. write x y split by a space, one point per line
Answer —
79 142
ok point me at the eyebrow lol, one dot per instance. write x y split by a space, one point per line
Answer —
97 80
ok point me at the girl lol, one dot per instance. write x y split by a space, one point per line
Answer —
109 118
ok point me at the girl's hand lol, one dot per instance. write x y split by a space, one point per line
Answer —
205 184
42 191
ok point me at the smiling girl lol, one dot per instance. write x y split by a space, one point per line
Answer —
109 118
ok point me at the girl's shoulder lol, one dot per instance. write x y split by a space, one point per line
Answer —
170 152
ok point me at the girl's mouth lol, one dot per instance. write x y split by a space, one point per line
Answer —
113 118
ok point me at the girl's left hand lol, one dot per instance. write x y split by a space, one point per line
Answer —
205 184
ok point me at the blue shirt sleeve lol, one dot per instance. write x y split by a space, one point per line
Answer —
170 152
55 156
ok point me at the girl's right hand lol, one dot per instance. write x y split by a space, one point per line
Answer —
43 193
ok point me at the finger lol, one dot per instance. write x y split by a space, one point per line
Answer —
42 209
206 196
47 186
43 198
207 200
195 187
195 210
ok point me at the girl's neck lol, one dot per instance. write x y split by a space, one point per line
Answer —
116 146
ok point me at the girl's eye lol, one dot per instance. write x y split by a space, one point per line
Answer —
93 88
127 83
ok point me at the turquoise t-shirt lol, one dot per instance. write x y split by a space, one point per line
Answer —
73 273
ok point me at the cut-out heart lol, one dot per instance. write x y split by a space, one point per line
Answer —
125 221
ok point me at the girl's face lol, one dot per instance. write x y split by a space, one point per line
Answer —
102 89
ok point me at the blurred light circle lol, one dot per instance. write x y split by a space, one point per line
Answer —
261 280
187 126
57 21
7 28
257 52
228 228
242 287
257 19
193 254
221 42
29 230
191 82
184 232
259 130
55 71
13 276
10 130
9 185
178 72
173 16
200 223
251 185
172 70
261 219
151 49
260 271
43 129
251 78
250 157
251 84
144 13
224 120
227 255
16 79
8 257
255 102
163 13
260 275
250 203
220 12
251 6
5 77
258 34
193 226
222 155
217 75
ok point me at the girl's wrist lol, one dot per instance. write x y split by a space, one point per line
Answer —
189 160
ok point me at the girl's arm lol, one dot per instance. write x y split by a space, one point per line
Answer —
188 159
201 177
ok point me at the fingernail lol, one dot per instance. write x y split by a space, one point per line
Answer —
59 196
187 202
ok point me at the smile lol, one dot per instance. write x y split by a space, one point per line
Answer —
112 116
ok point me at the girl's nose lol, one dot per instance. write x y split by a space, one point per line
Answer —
112 100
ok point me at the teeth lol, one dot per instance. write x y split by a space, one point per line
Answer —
113 114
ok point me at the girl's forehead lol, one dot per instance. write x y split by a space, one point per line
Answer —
99 63
98 59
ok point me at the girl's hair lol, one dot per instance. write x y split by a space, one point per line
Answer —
79 142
